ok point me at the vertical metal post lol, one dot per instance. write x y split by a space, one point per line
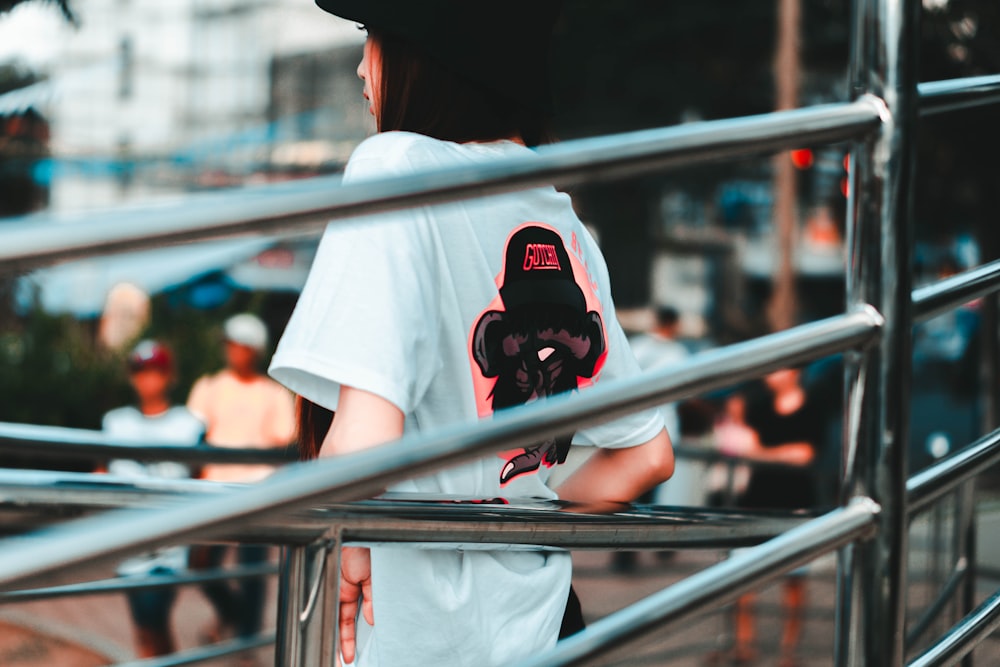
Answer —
857 429
989 410
327 640
883 65
307 604
291 601
965 547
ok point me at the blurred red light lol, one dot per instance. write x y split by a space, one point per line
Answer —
802 158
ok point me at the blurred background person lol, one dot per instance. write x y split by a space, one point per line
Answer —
790 427
656 349
240 407
727 481
152 421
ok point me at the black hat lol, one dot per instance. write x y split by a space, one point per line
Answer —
538 271
500 45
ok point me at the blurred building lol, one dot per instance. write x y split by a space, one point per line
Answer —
149 97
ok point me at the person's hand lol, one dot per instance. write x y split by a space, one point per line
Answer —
355 588
796 454
735 439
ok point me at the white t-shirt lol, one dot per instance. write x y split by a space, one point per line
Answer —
176 426
450 312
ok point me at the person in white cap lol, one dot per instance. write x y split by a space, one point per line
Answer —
240 407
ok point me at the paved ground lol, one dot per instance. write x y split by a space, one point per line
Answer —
92 631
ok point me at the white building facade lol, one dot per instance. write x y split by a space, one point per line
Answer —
158 96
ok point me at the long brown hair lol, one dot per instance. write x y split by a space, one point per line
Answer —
314 422
418 94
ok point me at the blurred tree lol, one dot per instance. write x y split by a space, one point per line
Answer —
24 138
51 373
23 142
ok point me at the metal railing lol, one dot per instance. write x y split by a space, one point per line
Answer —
869 529
61 442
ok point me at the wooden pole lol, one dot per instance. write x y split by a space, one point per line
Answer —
781 311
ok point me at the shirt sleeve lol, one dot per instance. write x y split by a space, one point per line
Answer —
368 314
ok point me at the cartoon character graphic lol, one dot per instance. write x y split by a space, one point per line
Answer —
543 342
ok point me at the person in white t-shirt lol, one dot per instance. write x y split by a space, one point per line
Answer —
241 407
153 421
419 319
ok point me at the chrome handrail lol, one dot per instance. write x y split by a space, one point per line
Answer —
59 441
946 475
137 582
51 496
313 203
948 293
716 585
204 653
955 94
364 474
963 637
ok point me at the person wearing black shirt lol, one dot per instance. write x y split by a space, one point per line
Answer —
789 426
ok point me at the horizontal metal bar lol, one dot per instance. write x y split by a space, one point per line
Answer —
285 207
933 611
963 637
47 442
943 477
949 293
30 440
593 527
954 94
201 654
137 582
715 585
31 501
365 473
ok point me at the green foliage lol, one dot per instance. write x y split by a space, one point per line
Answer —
52 373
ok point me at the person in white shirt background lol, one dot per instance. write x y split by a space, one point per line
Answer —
656 349
152 421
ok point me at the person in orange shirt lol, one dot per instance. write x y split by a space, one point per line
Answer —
240 407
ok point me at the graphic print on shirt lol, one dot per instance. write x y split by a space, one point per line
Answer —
542 335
